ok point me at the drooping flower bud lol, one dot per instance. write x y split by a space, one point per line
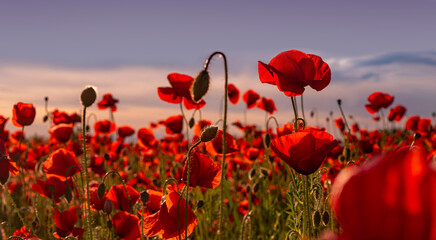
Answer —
88 96
209 133
108 206
144 197
200 86
68 194
101 190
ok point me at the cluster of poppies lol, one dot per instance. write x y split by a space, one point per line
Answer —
378 184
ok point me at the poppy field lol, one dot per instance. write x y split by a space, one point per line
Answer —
199 181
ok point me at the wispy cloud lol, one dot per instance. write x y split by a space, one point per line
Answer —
407 76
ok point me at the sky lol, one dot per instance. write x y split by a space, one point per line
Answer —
127 48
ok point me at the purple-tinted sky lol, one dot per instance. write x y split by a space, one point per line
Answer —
53 46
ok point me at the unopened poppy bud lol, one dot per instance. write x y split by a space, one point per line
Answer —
347 153
200 86
88 96
144 197
271 159
325 218
416 136
107 157
200 204
209 133
248 188
45 118
251 173
46 99
312 113
256 187
87 128
316 217
264 172
101 190
108 206
339 101
68 194
267 140
191 122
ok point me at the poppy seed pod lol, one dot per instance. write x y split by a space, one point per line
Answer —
88 96
200 86
209 133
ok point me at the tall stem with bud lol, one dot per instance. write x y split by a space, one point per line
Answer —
87 98
199 89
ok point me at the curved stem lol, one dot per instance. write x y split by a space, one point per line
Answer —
294 106
223 171
187 187
343 116
88 216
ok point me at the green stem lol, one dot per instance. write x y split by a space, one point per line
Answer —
6 190
187 187
302 106
223 170
307 226
343 116
88 216
294 106
186 122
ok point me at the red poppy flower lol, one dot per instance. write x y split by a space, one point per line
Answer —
105 127
6 165
250 97
390 198
180 85
3 121
59 162
65 222
96 203
233 93
164 223
267 104
174 124
304 151
44 188
61 132
125 131
203 171
215 147
23 114
108 102
24 233
154 201
339 122
397 113
118 196
412 123
62 117
378 100
292 70
146 137
126 226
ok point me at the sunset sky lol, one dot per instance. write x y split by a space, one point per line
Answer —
127 48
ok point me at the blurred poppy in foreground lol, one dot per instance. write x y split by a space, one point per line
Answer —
304 151
23 114
394 195
6 165
293 70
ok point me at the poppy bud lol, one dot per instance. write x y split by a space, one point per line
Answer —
101 190
209 133
45 118
271 159
347 154
316 217
108 206
341 158
191 122
312 113
68 194
200 204
200 86
325 218
256 187
144 197
267 140
339 101
248 188
251 173
264 172
88 96
107 157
